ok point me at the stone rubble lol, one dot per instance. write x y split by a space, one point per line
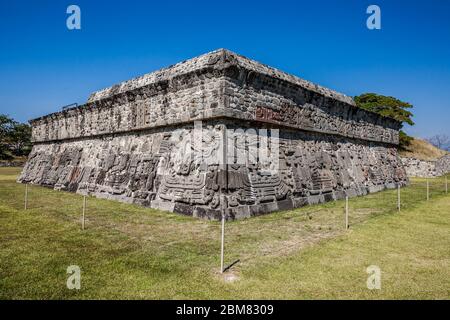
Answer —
426 169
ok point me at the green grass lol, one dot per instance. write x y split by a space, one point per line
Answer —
130 252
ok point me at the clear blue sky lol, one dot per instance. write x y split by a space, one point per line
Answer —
44 66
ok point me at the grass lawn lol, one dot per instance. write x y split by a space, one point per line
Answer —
130 252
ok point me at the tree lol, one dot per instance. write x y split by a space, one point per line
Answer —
440 141
6 125
389 107
386 106
20 139
15 138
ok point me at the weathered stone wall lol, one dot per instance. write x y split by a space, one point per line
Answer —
443 164
147 168
131 142
426 169
218 84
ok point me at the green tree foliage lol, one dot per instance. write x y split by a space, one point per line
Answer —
386 106
15 138
20 139
404 139
5 129
389 107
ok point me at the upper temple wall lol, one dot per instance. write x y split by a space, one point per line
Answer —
215 85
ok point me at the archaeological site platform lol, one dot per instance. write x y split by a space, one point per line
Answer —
135 142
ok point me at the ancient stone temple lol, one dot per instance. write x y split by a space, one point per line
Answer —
139 142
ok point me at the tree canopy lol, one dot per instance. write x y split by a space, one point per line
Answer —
386 106
389 107
15 138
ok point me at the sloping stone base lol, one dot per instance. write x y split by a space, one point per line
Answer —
151 168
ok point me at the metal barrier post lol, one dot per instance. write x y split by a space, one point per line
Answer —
222 244
446 185
346 212
84 212
26 196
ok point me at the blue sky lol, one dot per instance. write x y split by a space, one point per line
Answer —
44 66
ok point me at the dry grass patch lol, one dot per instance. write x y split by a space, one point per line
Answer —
423 150
131 252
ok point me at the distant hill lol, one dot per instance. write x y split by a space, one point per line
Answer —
423 150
